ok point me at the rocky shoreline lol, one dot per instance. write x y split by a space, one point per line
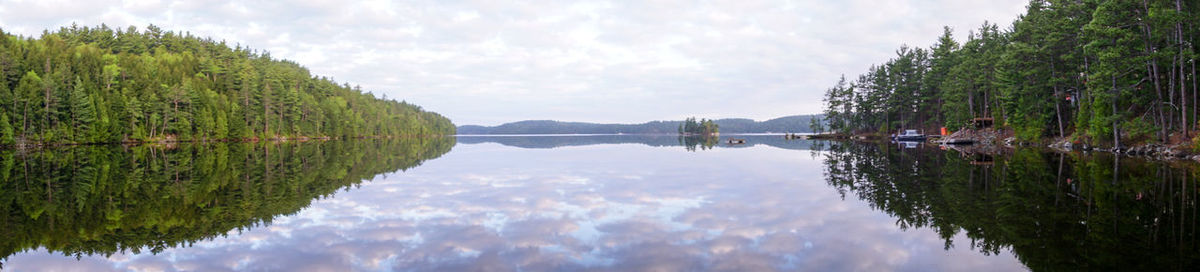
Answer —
997 138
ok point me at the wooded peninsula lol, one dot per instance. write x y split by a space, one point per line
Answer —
83 85
1101 72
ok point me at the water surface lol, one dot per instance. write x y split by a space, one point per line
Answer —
609 203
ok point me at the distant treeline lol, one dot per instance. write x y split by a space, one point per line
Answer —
102 85
1104 71
793 124
690 143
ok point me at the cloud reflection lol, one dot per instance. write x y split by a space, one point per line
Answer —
594 208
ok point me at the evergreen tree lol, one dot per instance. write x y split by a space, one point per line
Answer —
950 100
1100 71
7 136
27 93
83 113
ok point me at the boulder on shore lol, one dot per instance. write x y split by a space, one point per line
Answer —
987 136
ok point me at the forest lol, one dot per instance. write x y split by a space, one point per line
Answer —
82 85
1106 72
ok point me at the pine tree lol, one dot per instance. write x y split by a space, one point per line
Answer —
7 136
949 103
1116 46
83 113
27 93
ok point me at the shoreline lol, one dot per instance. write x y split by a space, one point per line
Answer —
991 140
171 141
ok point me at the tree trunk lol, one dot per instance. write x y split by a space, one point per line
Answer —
1057 108
132 125
174 113
1182 78
1058 113
1116 123
45 112
1152 72
150 124
1170 115
971 102
246 107
266 110
165 120
25 119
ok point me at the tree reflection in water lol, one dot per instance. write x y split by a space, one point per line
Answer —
87 200
1054 211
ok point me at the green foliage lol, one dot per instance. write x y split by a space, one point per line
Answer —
7 137
942 59
1088 68
83 114
1196 144
98 85
816 125
840 102
703 127
1140 128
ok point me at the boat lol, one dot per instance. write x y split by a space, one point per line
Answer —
736 141
909 135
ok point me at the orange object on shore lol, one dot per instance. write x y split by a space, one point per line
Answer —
944 131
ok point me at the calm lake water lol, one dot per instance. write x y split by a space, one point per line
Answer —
609 203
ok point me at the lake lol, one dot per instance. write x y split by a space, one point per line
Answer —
597 202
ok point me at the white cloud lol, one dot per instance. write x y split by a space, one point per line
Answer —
482 62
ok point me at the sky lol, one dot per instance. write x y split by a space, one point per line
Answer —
492 62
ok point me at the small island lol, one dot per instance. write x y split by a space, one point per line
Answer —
704 127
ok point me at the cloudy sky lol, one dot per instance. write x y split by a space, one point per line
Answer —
491 62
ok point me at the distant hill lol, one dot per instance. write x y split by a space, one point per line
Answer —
650 140
794 124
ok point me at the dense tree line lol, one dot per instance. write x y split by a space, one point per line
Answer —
793 124
703 127
100 85
108 199
1103 71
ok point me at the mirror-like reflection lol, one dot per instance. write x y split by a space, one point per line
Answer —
604 203
691 143
101 200
1055 211
607 207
